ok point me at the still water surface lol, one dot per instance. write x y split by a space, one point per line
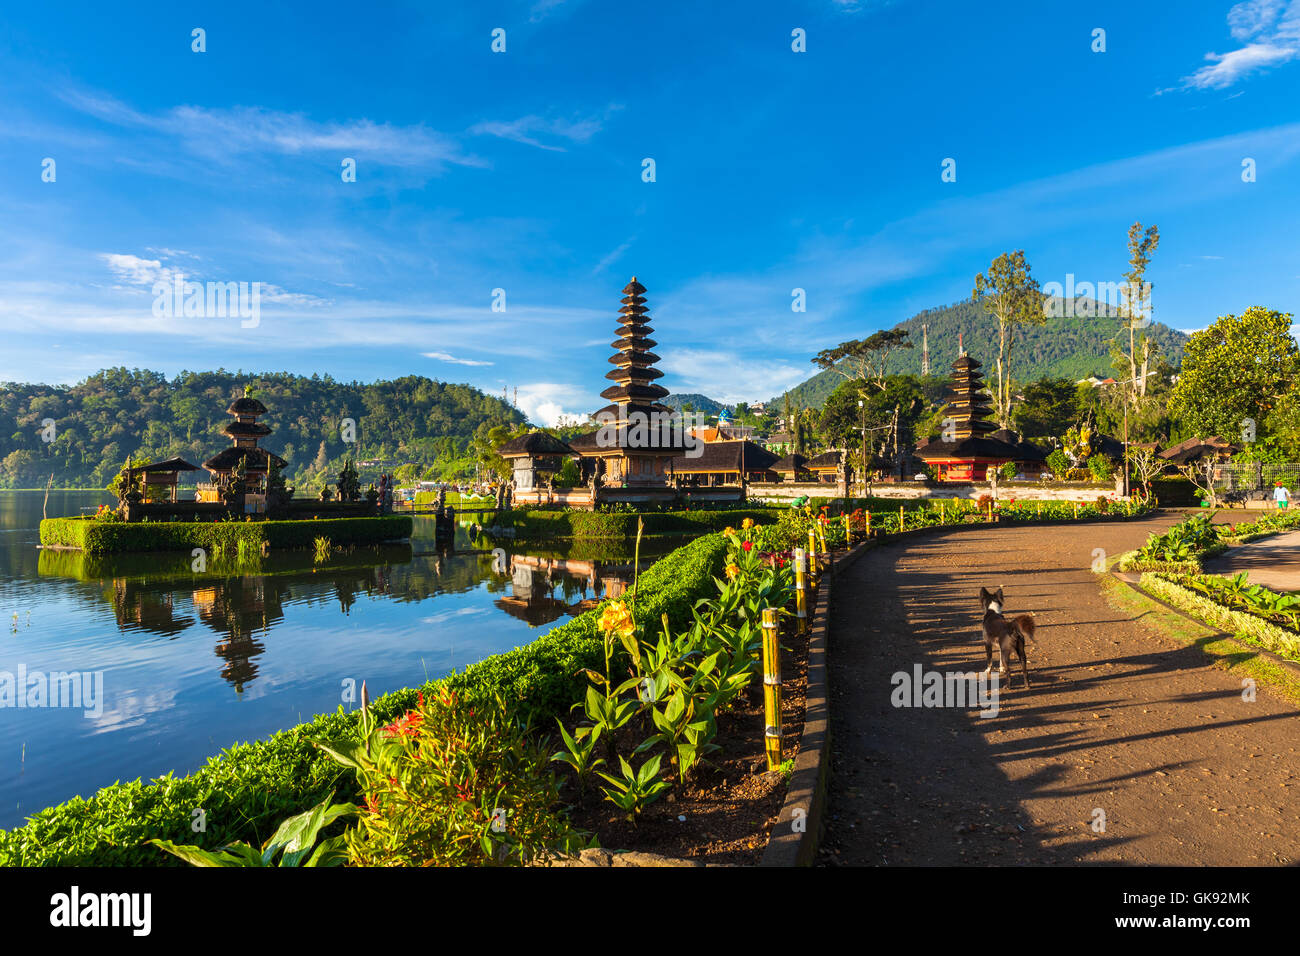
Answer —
181 664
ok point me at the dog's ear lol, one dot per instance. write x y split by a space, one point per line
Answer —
998 596
984 595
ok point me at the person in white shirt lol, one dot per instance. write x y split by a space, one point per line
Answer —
1281 496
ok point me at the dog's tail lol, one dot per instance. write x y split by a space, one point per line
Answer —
1024 623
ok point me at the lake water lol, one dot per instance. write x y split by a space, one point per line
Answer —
189 663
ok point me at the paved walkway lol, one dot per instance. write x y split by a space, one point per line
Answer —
1273 562
1120 720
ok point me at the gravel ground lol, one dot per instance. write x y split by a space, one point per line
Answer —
1120 720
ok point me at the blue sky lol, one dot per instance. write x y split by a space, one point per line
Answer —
522 171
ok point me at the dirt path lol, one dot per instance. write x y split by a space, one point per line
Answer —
1273 562
1120 719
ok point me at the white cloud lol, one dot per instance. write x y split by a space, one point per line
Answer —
134 270
223 133
728 377
549 403
528 129
447 357
1225 69
1270 30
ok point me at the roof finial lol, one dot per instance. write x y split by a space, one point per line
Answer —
961 349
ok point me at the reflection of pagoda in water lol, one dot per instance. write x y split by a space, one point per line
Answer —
534 580
236 608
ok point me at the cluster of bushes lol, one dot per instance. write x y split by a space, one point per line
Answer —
1253 614
250 787
1180 549
539 523
231 537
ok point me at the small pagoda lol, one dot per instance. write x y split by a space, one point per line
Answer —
966 451
244 455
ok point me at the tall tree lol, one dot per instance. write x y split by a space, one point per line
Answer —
1012 296
1235 373
866 359
1051 406
1135 311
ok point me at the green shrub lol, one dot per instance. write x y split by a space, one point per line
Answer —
231 537
1059 462
1101 467
622 524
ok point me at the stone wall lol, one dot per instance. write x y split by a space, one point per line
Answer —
1020 490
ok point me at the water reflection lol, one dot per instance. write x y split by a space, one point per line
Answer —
242 600
194 662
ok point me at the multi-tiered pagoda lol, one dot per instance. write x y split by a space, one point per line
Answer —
965 451
245 430
637 435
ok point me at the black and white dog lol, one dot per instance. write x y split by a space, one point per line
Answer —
1008 633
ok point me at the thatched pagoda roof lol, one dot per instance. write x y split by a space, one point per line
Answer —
791 464
1025 451
724 457
246 430
171 464
246 406
827 459
255 459
536 444
975 447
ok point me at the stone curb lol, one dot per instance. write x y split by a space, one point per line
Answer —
805 798
1135 585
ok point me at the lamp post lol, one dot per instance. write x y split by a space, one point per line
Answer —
862 413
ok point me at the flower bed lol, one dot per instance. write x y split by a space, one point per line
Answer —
1232 606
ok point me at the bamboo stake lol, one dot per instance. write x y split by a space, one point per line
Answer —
771 689
902 522
813 570
868 524
848 532
800 590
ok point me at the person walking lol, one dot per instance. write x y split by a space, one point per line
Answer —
1281 495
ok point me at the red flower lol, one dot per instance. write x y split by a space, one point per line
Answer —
747 545
407 725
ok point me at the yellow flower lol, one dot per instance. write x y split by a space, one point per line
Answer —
747 523
617 619
732 571
728 530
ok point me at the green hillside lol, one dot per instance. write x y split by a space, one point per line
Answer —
1062 347
699 403
120 412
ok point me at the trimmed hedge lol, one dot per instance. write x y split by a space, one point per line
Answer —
1244 626
622 524
250 788
108 537
1129 561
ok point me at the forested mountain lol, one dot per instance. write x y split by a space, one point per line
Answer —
120 412
1070 348
698 403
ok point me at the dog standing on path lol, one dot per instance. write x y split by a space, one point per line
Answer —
1009 633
